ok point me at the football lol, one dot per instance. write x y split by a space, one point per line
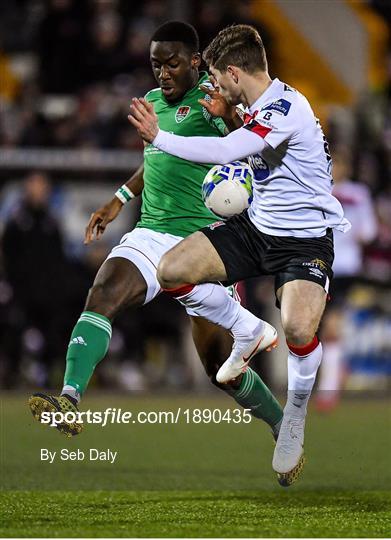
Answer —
227 189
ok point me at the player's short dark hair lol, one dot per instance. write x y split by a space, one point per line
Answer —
238 45
178 31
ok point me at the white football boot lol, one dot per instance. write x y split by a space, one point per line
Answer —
289 453
243 350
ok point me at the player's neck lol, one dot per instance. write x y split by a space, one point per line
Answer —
254 86
193 83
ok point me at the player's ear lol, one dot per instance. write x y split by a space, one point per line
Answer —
195 60
233 72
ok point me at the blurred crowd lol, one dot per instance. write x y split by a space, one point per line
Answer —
43 288
68 69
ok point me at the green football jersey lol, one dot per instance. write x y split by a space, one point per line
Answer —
171 198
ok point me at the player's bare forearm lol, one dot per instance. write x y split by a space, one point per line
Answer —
107 213
136 181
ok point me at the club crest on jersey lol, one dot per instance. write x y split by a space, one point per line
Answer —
181 113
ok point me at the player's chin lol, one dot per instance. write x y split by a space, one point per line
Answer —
171 94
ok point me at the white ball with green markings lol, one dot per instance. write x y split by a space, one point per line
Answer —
227 189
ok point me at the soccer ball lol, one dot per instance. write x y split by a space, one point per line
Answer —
227 189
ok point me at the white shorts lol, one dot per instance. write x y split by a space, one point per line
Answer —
144 248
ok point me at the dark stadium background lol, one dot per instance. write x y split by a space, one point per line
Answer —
68 69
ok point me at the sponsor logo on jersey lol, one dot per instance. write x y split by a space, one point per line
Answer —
281 106
216 224
316 263
316 272
181 113
320 264
317 268
259 166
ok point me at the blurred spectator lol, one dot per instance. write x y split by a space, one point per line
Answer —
357 203
60 44
378 254
348 268
35 269
137 46
210 18
103 56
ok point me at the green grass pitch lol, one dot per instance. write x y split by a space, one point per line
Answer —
195 480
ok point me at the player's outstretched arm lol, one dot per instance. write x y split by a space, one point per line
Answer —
107 213
217 150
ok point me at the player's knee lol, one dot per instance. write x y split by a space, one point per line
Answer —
97 299
102 299
167 273
298 333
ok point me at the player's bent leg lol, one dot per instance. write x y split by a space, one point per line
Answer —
302 304
195 261
213 345
118 284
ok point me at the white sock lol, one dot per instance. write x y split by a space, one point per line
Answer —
301 379
213 302
70 391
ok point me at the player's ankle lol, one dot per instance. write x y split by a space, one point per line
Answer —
247 326
71 392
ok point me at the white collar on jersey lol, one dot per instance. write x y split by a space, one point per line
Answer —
263 98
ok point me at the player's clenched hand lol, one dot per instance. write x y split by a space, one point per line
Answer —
216 104
101 218
144 119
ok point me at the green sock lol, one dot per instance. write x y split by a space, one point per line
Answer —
88 345
255 395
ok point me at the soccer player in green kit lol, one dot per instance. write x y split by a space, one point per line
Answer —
172 209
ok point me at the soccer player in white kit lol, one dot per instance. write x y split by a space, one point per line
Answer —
287 231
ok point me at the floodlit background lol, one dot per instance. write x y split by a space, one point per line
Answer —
68 71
